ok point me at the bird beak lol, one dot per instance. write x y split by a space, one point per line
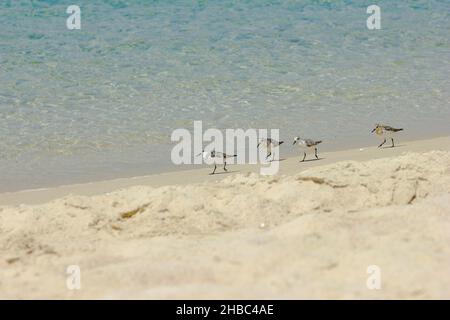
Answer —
294 142
199 154
373 130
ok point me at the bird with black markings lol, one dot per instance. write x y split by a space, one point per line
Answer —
216 157
307 145
269 144
386 132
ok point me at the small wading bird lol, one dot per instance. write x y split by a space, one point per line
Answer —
269 144
386 132
217 158
307 145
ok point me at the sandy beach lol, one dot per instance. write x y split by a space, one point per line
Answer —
310 232
101 101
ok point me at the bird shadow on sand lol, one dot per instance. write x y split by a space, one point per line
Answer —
275 160
223 172
309 160
392 147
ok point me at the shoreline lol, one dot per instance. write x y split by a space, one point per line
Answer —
288 166
304 234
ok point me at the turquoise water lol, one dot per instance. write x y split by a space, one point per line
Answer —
101 102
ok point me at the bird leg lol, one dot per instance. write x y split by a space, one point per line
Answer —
392 142
269 154
304 156
315 153
215 167
382 143
224 166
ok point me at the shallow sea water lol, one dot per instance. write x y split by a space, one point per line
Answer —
101 102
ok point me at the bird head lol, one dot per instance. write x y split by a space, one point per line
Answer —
295 140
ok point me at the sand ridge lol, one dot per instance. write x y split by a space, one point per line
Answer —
301 235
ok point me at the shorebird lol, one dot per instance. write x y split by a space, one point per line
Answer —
269 144
217 158
306 145
386 132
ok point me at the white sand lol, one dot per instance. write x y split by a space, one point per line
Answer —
306 234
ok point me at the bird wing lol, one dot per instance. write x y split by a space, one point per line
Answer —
219 154
275 143
310 142
392 129
223 155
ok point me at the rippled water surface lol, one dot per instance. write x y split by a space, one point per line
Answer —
101 102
